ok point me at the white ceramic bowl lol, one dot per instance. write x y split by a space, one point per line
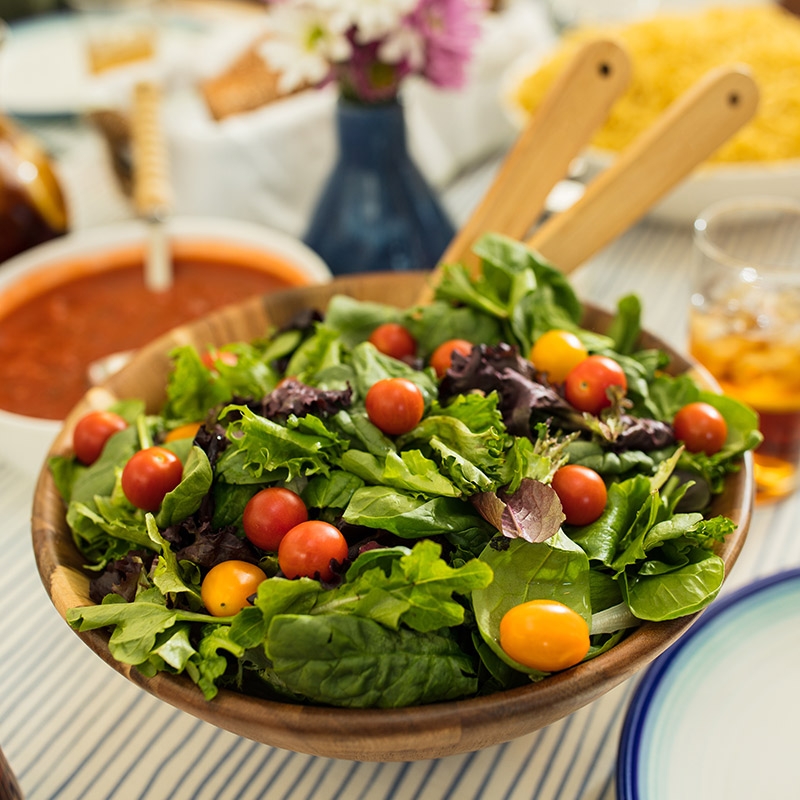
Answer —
26 440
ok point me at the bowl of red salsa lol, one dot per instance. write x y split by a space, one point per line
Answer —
75 301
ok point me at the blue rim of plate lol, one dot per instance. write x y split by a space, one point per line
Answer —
628 758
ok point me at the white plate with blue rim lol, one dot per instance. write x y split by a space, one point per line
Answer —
718 714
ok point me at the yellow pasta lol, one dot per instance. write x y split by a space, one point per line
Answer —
670 53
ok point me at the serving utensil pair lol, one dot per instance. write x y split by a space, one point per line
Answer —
573 109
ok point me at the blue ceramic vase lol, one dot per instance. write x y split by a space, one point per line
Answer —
376 211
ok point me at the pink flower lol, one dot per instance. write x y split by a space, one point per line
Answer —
450 29
372 45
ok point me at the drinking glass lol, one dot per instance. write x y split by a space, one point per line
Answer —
744 322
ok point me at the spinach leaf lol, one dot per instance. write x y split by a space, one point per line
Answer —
411 517
555 570
357 663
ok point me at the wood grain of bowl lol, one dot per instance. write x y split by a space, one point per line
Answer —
405 734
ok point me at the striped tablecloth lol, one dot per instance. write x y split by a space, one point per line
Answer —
71 727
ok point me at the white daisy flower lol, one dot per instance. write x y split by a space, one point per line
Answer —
404 43
303 41
372 19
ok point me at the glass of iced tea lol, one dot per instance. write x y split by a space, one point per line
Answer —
744 322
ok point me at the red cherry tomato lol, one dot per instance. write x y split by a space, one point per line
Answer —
394 339
92 432
307 550
395 405
270 514
701 428
544 635
442 356
556 352
228 587
582 493
587 383
149 475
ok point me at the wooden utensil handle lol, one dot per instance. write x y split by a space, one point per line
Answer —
689 131
152 192
575 106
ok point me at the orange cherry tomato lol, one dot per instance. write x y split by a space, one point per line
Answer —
270 514
556 352
582 493
308 549
587 383
395 405
91 433
394 339
187 431
211 357
229 585
442 356
544 635
149 475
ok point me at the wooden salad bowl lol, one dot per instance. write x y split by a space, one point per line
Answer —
404 734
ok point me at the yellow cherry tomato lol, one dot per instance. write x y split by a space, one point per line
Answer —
187 431
544 635
227 587
556 352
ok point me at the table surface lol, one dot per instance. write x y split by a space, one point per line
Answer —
72 727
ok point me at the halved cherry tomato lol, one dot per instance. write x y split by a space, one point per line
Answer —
582 493
149 475
91 433
187 431
229 585
394 339
587 384
395 405
308 549
270 514
701 428
442 356
556 352
544 635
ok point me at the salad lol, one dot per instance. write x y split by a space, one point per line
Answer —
382 507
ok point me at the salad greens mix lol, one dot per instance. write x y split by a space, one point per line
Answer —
448 526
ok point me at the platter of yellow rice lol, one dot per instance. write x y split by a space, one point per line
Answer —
671 51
